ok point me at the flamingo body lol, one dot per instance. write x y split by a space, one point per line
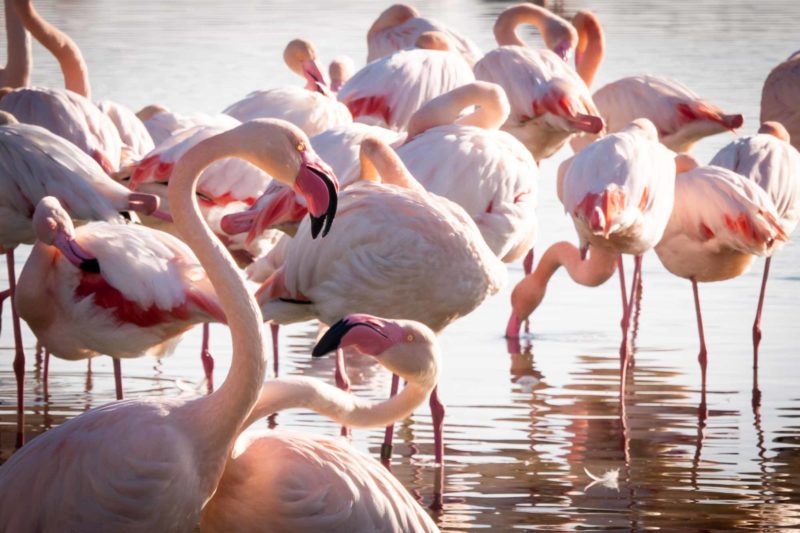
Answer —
162 124
405 35
132 132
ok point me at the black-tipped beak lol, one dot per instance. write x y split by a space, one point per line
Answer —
332 338
323 223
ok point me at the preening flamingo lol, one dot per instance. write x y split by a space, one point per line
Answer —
398 28
151 465
720 222
389 90
771 161
371 261
313 109
272 475
17 71
780 100
619 192
34 164
549 101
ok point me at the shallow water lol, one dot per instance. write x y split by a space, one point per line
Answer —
521 426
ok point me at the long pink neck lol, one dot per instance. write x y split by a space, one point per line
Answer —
331 402
506 25
73 67
491 113
591 272
18 66
376 157
591 45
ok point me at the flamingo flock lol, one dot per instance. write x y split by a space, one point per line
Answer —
384 203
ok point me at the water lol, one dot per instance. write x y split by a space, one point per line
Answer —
521 427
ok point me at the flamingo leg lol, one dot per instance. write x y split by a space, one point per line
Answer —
703 355
342 381
117 377
633 304
527 265
437 420
274 328
625 351
388 436
19 354
757 323
206 358
46 376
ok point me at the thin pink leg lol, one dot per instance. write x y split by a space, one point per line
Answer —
625 348
757 323
117 376
19 355
437 419
273 327
207 359
633 305
46 376
703 356
342 381
388 436
527 263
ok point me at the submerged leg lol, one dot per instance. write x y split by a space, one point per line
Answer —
342 381
437 419
117 376
19 354
46 376
757 323
527 265
206 358
388 436
703 355
273 327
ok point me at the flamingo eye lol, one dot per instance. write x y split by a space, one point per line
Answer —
409 338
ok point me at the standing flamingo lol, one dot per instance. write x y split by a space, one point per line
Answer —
151 465
17 71
389 90
398 28
313 109
549 101
272 473
771 161
720 222
36 164
779 97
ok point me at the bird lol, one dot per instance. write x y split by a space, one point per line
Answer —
17 70
719 223
162 123
770 160
779 99
386 234
340 70
387 91
35 163
152 464
136 140
549 101
292 481
399 26
619 192
313 108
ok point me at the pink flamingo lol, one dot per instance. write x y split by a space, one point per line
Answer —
152 464
771 161
398 28
779 99
351 491
385 235
313 109
619 191
549 101
36 164
720 222
389 90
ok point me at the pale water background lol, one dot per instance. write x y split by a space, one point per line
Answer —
520 427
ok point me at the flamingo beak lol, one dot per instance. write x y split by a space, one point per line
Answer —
563 50
144 203
74 253
369 334
277 208
317 183
315 80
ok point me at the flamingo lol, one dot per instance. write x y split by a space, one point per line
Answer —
270 474
17 71
161 123
136 140
313 108
398 28
389 90
387 233
779 98
771 161
490 174
35 164
340 70
619 191
117 289
549 101
720 222
151 465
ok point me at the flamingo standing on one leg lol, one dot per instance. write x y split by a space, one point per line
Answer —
354 492
720 222
779 97
771 161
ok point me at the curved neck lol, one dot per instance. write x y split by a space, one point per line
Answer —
331 402
591 45
491 112
590 272
377 157
506 25
73 67
17 72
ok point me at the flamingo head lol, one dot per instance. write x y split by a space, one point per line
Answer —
301 56
53 226
340 70
561 37
775 129
406 348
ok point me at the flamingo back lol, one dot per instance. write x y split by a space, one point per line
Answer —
132 131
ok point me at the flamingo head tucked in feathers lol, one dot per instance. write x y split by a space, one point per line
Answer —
53 226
